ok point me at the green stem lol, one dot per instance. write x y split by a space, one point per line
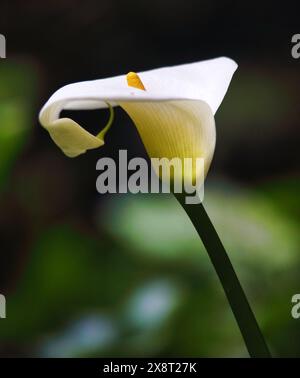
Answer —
240 307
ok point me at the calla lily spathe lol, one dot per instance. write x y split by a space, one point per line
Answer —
174 112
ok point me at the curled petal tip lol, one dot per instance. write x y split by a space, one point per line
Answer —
71 138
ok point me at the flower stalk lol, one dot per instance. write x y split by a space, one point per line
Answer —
237 299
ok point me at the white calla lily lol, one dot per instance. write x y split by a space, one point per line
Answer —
173 110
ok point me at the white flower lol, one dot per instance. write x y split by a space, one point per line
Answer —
173 109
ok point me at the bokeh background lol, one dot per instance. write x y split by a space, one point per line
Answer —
125 275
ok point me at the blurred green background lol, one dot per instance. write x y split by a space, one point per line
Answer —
125 275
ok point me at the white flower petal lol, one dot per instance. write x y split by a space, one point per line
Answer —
181 129
205 81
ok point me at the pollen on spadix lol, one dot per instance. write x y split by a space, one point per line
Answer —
133 80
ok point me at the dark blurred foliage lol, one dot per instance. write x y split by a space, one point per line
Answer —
91 275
